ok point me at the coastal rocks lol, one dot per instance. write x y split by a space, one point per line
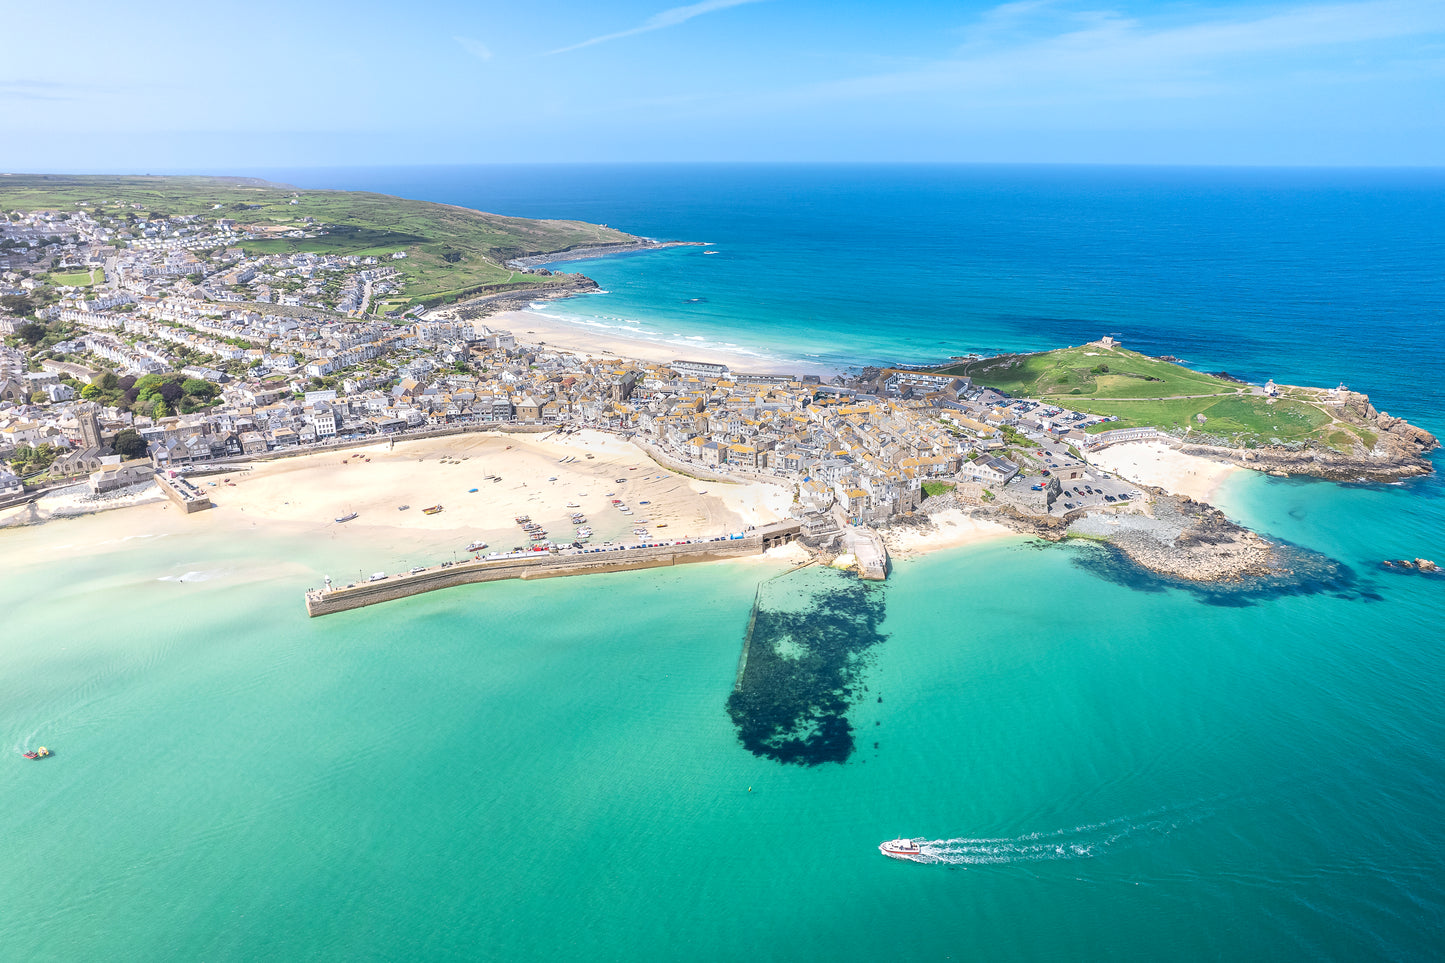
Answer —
1188 540
1407 434
1406 565
487 304
596 250
1392 459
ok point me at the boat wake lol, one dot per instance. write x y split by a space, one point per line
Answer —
1080 842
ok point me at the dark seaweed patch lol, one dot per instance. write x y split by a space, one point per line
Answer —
803 670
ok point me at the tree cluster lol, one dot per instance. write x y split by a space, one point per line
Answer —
157 395
128 443
29 459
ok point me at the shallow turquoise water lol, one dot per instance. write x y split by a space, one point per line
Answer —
544 769
1114 768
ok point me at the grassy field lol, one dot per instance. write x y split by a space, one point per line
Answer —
1235 418
1146 392
451 251
79 278
1093 371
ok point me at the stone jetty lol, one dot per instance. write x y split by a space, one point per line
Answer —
547 565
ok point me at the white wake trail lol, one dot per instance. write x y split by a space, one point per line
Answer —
1080 842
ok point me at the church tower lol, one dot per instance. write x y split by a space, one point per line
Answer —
89 427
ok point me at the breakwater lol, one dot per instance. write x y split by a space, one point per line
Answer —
546 565
186 495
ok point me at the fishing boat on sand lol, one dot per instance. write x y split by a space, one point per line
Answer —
431 511
347 518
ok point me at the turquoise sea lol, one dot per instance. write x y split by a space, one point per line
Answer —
1108 767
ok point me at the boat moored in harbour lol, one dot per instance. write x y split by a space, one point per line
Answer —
902 848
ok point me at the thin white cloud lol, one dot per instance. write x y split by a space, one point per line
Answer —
667 18
1101 54
474 47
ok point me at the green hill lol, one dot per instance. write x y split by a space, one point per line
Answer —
1143 391
452 252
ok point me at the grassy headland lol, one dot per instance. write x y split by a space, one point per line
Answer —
452 252
1143 391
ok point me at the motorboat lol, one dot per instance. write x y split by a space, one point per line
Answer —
40 753
476 546
902 848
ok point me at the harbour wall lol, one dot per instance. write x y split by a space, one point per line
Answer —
187 496
545 565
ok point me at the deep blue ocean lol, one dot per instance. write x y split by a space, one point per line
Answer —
1309 277
1114 768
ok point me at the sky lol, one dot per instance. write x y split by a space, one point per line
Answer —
151 87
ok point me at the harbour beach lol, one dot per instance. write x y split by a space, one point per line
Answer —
483 482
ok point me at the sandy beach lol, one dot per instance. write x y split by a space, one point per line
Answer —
533 328
953 528
1157 464
512 475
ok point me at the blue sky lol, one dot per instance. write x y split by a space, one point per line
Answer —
151 86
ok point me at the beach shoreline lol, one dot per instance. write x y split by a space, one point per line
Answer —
532 327
1158 465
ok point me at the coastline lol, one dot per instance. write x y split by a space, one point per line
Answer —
595 251
532 327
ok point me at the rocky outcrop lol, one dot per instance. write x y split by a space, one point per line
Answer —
1194 541
481 307
596 250
1417 565
1180 538
1387 463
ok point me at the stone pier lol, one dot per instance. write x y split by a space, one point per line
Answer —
546 565
183 493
